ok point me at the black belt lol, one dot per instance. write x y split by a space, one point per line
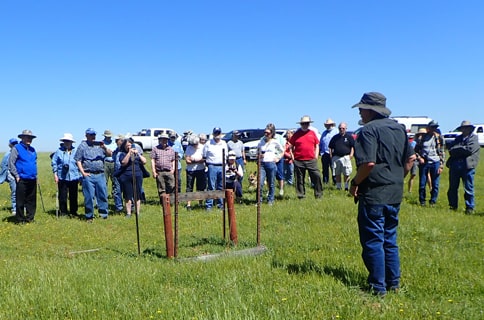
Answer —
238 158
95 172
215 164
165 170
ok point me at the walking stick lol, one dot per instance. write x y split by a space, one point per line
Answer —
175 252
41 197
57 204
135 199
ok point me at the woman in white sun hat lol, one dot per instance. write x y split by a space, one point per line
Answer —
66 176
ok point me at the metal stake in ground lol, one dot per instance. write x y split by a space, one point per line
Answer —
135 199
41 197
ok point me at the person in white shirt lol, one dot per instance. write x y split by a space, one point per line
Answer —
195 168
213 153
271 152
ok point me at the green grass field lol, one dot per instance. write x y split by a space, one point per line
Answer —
312 268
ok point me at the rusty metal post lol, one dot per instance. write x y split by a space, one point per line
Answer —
165 200
223 184
229 198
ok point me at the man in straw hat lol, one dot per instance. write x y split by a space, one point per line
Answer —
464 158
326 137
66 176
163 165
305 149
383 157
23 166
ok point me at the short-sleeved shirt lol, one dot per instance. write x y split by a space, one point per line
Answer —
91 157
237 147
304 145
383 142
163 158
342 144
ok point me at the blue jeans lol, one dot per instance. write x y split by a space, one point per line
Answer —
13 189
425 169
94 185
118 199
214 183
377 226
268 171
240 161
289 172
458 170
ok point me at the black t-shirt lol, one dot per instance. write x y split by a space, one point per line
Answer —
342 144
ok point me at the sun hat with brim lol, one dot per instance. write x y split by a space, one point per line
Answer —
231 155
466 124
163 136
422 131
67 137
329 121
305 119
108 133
13 141
27 133
119 137
374 101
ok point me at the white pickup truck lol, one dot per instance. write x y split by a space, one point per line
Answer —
478 130
148 138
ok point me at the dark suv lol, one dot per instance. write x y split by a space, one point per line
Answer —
246 135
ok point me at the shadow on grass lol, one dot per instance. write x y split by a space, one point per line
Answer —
348 277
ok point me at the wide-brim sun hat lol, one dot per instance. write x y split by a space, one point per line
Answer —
305 119
329 121
466 124
421 131
374 101
27 133
67 137
163 136
107 133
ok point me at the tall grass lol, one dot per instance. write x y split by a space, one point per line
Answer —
312 269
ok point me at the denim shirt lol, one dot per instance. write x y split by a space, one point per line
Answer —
64 164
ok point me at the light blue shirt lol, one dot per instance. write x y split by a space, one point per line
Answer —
326 137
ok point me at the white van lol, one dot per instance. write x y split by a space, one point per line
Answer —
413 123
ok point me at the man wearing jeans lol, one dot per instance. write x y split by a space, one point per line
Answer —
464 158
90 157
383 157
213 153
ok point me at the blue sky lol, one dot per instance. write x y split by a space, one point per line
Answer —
127 65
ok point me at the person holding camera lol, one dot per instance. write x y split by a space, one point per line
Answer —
89 157
131 175
233 175
66 176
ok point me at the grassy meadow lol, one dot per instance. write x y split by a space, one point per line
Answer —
60 268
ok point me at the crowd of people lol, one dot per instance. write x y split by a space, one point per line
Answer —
382 153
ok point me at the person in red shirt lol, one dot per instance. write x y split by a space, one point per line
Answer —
305 149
